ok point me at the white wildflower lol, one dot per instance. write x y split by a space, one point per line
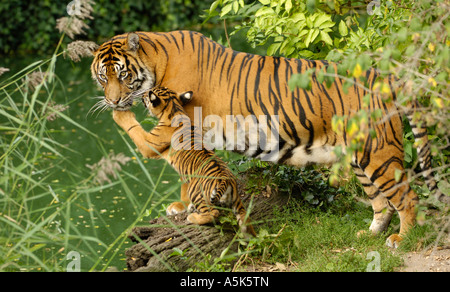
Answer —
3 70
71 26
79 49
53 109
108 166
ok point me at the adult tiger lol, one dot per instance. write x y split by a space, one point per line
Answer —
227 82
210 182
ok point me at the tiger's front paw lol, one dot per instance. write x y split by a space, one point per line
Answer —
394 241
176 208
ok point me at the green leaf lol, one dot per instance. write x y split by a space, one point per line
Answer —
279 30
288 5
320 76
326 38
315 34
302 80
214 6
235 6
321 19
334 56
408 148
226 9
265 2
402 34
331 75
273 48
327 24
309 22
346 86
263 11
308 38
343 30
298 17
312 35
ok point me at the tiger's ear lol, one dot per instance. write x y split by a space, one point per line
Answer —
133 42
154 100
186 97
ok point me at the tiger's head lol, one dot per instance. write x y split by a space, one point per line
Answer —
118 68
161 100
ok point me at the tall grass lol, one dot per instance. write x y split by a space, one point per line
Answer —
42 189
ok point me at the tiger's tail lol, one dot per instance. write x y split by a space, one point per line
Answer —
424 153
230 197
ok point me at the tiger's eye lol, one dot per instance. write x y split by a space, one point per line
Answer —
102 77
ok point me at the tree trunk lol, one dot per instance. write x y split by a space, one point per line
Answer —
169 244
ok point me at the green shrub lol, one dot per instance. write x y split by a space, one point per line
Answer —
30 25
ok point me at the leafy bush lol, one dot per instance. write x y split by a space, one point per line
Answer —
308 184
313 29
30 25
406 38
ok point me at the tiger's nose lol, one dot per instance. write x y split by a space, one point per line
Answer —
113 100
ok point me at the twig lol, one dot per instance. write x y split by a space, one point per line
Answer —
226 33
278 234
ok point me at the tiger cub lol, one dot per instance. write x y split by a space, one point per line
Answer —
210 182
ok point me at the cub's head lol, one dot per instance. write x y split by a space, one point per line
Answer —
118 68
161 100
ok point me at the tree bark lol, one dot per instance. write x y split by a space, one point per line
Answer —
157 242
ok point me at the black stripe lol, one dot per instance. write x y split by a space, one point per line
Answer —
191 35
380 171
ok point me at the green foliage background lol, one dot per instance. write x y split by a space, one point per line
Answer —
30 25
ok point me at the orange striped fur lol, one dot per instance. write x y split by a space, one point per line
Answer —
227 82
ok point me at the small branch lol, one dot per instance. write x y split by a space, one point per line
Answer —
226 33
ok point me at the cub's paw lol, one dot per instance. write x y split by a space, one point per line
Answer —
394 240
198 219
176 208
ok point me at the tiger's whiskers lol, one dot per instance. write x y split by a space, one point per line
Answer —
99 106
102 105
139 92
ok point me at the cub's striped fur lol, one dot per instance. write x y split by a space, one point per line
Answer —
210 182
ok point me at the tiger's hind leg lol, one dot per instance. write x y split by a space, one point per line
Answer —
206 214
382 208
404 199
381 173
203 211
239 211
244 221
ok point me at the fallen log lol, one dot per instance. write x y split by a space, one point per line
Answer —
169 244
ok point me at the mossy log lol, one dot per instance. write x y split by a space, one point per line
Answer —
156 242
